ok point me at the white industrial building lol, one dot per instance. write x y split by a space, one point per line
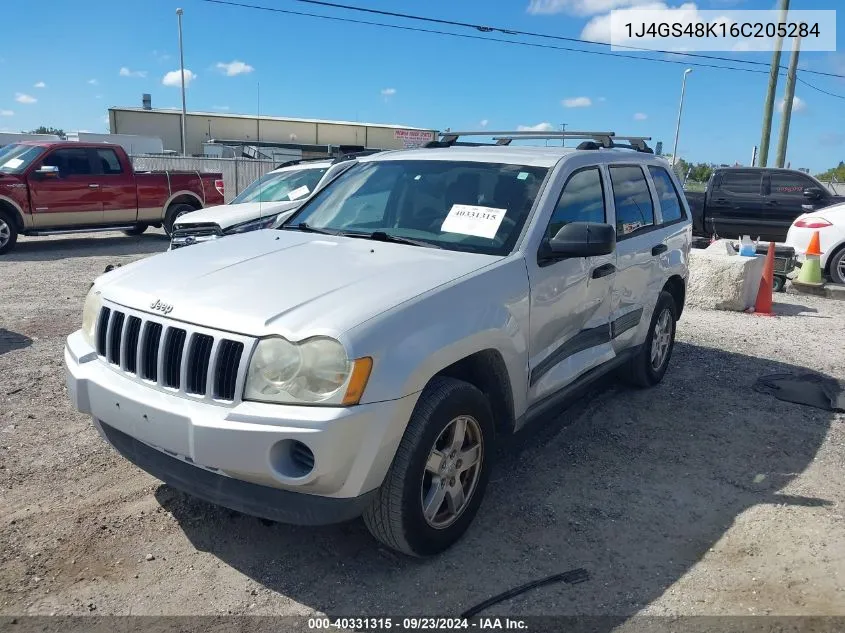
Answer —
260 135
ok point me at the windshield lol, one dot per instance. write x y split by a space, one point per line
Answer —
462 206
14 159
282 186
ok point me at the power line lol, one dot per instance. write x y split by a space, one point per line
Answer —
576 40
809 85
487 39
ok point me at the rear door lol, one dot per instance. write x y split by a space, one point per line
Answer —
639 246
735 206
70 200
116 186
570 298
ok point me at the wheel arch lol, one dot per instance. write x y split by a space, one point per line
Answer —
14 210
183 197
677 287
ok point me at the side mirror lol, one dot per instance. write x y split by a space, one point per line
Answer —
580 239
813 193
47 171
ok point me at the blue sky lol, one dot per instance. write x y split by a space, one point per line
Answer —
106 53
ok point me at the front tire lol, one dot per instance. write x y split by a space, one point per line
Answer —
649 366
8 233
138 229
438 476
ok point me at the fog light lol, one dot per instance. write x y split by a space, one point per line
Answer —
292 458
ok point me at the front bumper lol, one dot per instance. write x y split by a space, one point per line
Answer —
238 456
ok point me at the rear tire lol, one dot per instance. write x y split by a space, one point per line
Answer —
8 232
173 214
649 366
836 266
437 479
138 229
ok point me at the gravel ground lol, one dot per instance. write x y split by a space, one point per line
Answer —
700 496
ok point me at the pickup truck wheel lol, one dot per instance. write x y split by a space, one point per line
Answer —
648 367
8 233
173 214
437 479
136 230
836 266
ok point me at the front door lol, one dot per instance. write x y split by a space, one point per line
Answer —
784 201
639 246
570 298
117 187
72 199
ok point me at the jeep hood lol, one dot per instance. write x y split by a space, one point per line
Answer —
228 215
285 282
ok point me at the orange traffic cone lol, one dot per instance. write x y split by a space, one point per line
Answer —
814 248
763 306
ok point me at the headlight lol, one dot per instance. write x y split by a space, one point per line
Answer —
316 371
252 225
90 313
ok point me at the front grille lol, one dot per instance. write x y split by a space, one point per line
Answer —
204 364
194 233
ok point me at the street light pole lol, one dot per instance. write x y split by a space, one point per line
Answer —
182 73
680 111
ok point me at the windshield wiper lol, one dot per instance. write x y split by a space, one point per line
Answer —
307 228
381 236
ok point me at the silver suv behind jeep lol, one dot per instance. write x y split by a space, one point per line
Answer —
363 358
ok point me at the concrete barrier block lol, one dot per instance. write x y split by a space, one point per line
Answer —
720 281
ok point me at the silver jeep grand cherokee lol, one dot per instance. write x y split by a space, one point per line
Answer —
362 358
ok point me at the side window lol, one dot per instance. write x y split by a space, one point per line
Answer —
744 183
634 209
109 163
582 200
70 161
670 202
786 184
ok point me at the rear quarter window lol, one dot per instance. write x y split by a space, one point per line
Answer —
671 207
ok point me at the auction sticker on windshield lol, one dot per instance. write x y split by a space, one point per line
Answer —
299 192
13 163
472 220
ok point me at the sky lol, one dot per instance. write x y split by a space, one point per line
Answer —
67 70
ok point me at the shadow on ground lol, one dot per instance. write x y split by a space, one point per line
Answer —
36 249
794 309
635 486
11 341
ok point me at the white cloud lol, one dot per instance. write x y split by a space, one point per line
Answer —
7 113
540 127
580 7
483 122
93 82
577 102
22 98
234 68
40 84
125 72
600 28
174 80
640 116
224 107
388 92
798 105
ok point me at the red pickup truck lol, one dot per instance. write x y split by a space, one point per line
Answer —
71 187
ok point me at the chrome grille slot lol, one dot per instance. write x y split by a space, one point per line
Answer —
115 335
198 361
130 343
149 351
174 346
102 330
226 370
193 361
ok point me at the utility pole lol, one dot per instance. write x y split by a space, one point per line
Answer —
788 98
770 94
182 71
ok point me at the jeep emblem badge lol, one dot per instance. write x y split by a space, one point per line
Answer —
165 308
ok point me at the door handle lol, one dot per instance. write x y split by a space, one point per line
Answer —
771 203
660 248
93 186
603 271
721 200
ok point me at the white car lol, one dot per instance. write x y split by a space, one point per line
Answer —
365 358
830 223
278 192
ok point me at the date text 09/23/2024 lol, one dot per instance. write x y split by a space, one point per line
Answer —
417 624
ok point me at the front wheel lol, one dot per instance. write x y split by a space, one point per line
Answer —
837 267
8 233
649 365
138 229
437 479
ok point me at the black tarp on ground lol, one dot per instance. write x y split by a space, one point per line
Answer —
812 390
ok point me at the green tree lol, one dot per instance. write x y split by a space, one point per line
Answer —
41 129
837 173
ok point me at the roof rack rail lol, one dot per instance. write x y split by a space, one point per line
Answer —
595 140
